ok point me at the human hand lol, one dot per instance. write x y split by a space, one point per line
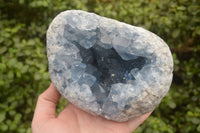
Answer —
74 120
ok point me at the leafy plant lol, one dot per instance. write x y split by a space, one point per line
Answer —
23 63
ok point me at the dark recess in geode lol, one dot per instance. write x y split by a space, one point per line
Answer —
111 68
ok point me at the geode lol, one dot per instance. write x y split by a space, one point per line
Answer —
107 67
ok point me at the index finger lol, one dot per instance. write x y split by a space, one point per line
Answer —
134 123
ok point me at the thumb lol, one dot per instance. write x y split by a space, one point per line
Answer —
46 105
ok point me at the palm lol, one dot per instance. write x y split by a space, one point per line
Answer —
74 120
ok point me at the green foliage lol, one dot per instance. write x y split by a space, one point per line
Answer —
23 63
155 125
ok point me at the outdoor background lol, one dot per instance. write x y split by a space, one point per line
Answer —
23 62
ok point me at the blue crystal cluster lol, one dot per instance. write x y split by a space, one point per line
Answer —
107 67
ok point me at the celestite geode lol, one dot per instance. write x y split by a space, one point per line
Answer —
107 67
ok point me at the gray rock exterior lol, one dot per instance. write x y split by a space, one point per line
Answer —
107 67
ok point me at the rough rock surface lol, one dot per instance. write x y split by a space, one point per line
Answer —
107 67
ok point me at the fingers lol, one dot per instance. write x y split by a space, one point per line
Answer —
46 104
134 123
